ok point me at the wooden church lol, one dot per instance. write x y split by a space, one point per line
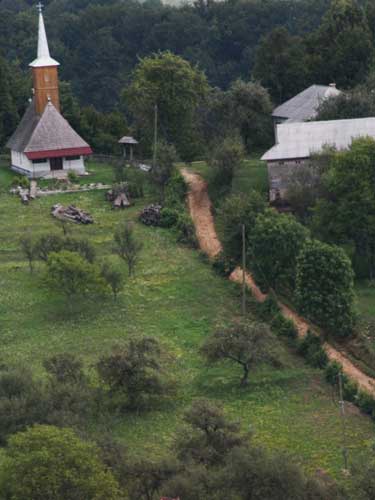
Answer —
44 142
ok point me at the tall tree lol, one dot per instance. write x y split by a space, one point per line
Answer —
8 109
177 89
280 64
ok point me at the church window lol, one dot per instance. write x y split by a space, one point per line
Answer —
40 160
72 158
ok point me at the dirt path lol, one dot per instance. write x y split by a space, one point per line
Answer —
200 210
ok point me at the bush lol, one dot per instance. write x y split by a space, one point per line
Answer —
236 210
21 180
325 288
366 403
186 230
168 217
223 266
332 371
72 176
312 350
268 309
274 243
176 191
284 327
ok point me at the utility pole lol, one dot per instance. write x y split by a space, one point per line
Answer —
243 270
155 136
343 421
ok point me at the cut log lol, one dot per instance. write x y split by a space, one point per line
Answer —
71 213
150 215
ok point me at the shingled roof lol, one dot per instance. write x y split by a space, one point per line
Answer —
46 136
301 140
304 105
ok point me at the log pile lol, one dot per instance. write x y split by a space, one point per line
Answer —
72 214
119 196
150 215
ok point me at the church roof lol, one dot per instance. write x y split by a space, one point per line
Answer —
46 136
304 106
44 59
301 140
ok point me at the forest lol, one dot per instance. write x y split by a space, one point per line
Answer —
283 46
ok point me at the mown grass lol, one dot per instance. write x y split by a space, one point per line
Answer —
366 298
176 297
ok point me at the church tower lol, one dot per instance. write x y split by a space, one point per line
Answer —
44 143
44 69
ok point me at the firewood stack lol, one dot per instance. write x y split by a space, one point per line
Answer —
72 214
119 196
150 215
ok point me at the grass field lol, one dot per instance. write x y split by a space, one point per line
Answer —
176 297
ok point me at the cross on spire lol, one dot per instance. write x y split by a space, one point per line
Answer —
40 7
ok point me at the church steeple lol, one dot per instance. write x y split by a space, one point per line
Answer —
44 68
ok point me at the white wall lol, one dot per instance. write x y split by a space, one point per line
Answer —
22 165
77 166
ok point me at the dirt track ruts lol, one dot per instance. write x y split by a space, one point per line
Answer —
200 211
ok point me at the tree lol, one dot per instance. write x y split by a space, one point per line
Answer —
134 371
29 249
127 246
164 169
208 436
346 214
324 287
274 244
236 210
71 275
341 49
225 160
280 64
22 401
244 342
113 277
8 109
53 464
177 88
65 368
365 479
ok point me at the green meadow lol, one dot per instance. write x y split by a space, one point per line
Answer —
176 297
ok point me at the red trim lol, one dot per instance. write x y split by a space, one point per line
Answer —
59 153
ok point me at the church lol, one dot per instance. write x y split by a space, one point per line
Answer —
44 143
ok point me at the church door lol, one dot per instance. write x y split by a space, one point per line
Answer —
56 163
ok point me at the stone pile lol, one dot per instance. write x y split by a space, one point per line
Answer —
150 215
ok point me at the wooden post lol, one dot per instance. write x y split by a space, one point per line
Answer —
243 270
155 135
343 421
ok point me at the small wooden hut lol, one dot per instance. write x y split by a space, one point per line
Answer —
128 144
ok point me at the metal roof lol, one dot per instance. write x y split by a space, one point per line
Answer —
304 105
300 140
44 59
127 140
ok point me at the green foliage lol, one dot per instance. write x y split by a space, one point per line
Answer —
168 217
268 309
244 343
223 265
72 176
208 435
281 65
274 244
324 287
310 347
53 464
225 160
71 275
164 169
236 210
21 180
127 245
133 372
65 368
186 230
8 108
177 88
29 249
366 403
49 243
347 214
113 277
284 327
175 191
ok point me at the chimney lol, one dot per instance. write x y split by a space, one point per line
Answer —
333 85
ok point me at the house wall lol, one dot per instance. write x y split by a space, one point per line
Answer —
22 165
279 173
77 166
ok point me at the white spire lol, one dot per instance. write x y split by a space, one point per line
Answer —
44 58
